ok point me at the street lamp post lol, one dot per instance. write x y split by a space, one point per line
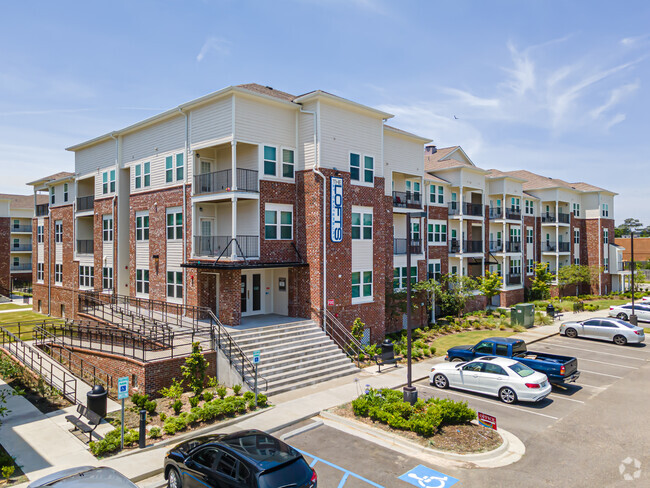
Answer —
633 318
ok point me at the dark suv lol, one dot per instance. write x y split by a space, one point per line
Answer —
249 458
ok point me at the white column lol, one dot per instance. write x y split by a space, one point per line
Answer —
233 234
194 230
233 146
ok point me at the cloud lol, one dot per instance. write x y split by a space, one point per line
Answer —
632 41
470 100
616 96
618 118
523 73
220 46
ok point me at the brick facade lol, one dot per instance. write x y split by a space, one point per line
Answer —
5 243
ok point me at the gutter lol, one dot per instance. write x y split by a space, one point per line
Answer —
186 171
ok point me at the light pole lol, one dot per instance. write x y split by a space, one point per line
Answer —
410 391
633 318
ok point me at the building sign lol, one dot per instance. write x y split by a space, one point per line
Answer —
330 302
487 420
336 209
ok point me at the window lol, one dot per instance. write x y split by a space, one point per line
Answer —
287 163
515 234
355 166
361 284
108 181
16 243
169 168
515 266
180 165
605 211
493 369
484 348
530 266
16 223
606 236
435 271
174 224
58 231
576 236
436 194
58 273
52 196
146 173
107 278
606 263
514 204
576 209
87 276
142 175
368 168
415 231
138 176
270 160
227 466
16 262
400 278
361 225
529 209
278 224
437 233
141 281
529 235
39 233
39 272
175 284
107 228
441 194
142 228
576 261
65 192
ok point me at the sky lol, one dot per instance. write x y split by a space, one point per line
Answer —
555 87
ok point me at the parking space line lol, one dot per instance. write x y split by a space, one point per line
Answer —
601 374
555 395
592 386
608 364
492 402
597 352
346 473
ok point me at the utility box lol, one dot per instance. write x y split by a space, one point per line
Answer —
523 314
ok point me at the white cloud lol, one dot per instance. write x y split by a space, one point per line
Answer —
523 73
220 46
470 100
618 118
616 96
632 41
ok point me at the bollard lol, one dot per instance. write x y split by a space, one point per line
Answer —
142 439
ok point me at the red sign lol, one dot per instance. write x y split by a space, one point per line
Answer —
487 420
330 302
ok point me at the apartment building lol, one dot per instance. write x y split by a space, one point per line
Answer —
253 201
16 213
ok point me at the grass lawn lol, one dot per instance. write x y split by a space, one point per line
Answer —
605 304
6 319
567 305
463 338
14 306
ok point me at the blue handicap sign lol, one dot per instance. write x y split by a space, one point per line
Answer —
424 477
123 388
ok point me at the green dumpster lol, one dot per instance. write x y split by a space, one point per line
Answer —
523 314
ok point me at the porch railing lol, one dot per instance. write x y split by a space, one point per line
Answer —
42 209
221 181
222 245
407 199
85 203
21 228
341 336
400 246
85 246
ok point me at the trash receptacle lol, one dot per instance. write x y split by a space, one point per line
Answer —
96 400
387 349
550 310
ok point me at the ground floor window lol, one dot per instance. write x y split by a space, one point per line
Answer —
142 281
87 276
175 284
58 273
434 270
361 285
530 266
39 272
400 277
107 278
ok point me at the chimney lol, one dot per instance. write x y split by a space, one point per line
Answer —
430 149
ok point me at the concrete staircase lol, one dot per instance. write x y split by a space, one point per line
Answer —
293 355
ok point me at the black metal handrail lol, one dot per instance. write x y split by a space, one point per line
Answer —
473 246
21 247
21 228
407 199
221 181
513 278
85 203
400 246
472 209
513 246
42 209
513 213
21 267
549 246
563 218
496 246
216 245
247 180
85 246
564 246
496 213
341 336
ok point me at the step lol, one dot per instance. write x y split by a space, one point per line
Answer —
275 334
314 367
257 331
280 340
278 382
277 389
285 348
295 364
299 356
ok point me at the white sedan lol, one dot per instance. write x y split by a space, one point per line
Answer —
623 312
505 378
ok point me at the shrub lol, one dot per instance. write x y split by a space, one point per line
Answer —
131 436
140 400
425 423
248 395
236 389
518 328
177 406
194 369
155 433
150 406
194 401
453 412
208 395
8 471
262 400
174 391
221 392
110 442
213 382
163 416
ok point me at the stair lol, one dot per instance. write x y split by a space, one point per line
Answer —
293 355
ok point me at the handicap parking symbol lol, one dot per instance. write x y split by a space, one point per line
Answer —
424 477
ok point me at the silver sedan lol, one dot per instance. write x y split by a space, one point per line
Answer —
606 329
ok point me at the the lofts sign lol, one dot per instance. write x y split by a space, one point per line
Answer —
336 209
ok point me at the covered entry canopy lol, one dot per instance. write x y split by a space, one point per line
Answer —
239 265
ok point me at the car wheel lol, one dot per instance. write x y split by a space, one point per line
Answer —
571 332
174 479
455 360
440 380
507 395
620 340
621 316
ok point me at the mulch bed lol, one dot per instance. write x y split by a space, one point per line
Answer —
44 400
460 439
18 476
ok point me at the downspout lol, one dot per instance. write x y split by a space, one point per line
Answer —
49 256
600 246
316 170
187 167
115 239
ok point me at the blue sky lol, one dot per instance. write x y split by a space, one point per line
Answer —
556 87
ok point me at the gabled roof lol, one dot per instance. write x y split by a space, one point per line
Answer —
528 195
56 176
434 179
582 186
495 173
410 135
23 201
267 90
337 99
533 181
441 159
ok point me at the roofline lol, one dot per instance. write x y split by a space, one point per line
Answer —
409 135
460 166
513 178
321 94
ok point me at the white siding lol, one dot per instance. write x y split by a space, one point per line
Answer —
362 249
95 157
163 137
264 122
99 183
401 155
224 219
211 122
248 218
306 157
174 246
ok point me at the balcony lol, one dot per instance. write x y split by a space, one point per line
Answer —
513 214
467 246
496 213
21 267
562 218
550 246
42 209
496 246
470 209
21 228
407 199
221 181
400 246
513 279
215 246
564 247
85 246
513 246
21 247
85 203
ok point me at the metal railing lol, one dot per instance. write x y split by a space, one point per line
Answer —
407 199
551 246
85 203
218 245
473 246
21 228
513 214
85 246
400 245
563 218
513 279
564 247
221 181
341 336
472 209
21 247
38 361
496 213
513 246
496 246
21 267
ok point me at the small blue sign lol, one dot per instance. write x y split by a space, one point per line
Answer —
123 388
336 209
424 477
256 357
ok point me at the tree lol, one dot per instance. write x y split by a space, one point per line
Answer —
451 291
490 285
194 369
573 275
628 225
541 285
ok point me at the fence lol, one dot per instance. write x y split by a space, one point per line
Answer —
341 336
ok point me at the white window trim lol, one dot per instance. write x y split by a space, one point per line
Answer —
403 277
90 277
110 278
58 282
40 271
105 218
278 208
142 293
278 157
364 299
362 159
174 211
170 298
141 214
530 270
363 211
433 232
434 262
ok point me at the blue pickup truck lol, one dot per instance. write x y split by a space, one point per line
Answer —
558 369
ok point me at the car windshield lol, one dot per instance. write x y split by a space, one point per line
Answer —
519 348
297 473
521 369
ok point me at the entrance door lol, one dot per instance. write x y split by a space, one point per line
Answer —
251 293
244 294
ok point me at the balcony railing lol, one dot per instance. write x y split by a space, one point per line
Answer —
513 214
407 199
400 246
467 246
41 209
215 246
513 279
85 246
564 218
513 246
550 246
21 267
496 213
21 228
22 247
85 203
221 181
496 246
472 209
564 247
